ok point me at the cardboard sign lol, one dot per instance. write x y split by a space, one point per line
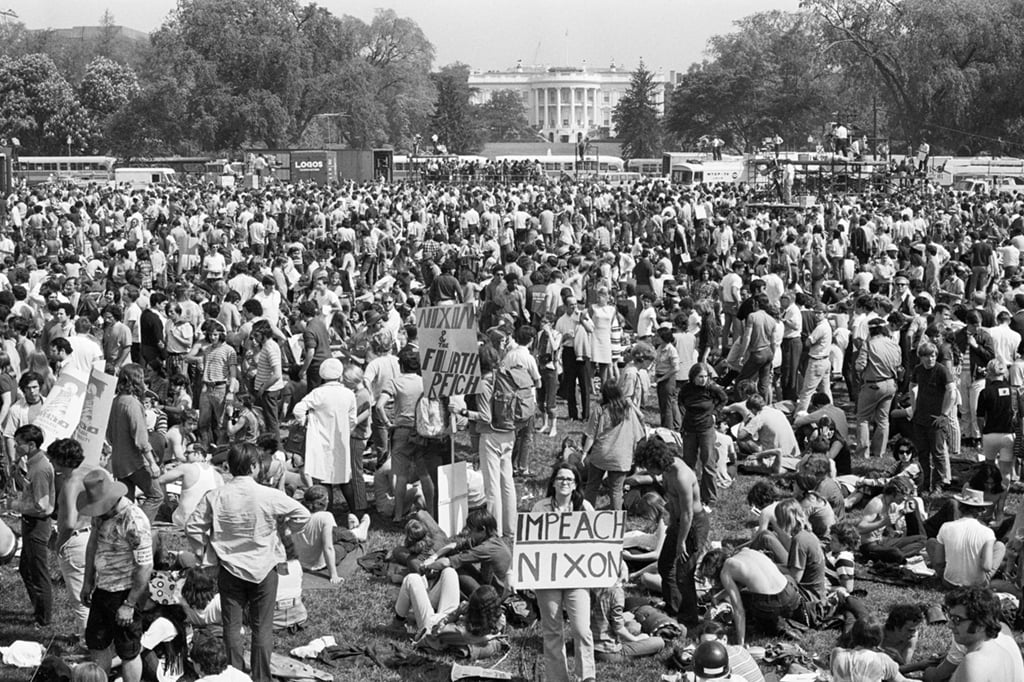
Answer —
452 497
556 550
62 407
94 415
449 353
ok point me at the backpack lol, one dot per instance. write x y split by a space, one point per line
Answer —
513 400
431 418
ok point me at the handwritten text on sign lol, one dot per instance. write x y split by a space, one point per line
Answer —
449 353
568 549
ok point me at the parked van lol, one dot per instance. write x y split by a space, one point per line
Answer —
139 178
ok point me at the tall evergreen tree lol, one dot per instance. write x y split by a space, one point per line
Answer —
636 117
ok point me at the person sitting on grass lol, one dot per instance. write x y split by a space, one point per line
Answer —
613 641
883 526
475 630
197 477
210 662
860 660
480 555
641 549
902 628
797 550
741 663
965 552
859 488
321 544
769 431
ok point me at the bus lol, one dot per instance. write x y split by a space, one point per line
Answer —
34 170
695 173
181 165
555 165
649 168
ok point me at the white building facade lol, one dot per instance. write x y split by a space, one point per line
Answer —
561 102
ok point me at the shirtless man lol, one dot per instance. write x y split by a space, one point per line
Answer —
752 584
687 535
72 528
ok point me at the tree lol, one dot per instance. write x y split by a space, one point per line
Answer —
261 71
503 118
949 69
39 107
455 121
636 117
764 79
107 86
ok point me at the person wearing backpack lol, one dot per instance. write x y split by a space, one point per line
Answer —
522 365
495 424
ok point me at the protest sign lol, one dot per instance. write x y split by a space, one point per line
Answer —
94 415
556 550
449 353
452 497
62 407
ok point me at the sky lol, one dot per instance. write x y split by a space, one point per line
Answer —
492 34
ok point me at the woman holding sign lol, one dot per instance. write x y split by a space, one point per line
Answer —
564 495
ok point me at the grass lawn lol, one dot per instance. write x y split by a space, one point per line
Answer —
359 611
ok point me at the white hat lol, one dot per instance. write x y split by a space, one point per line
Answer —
332 370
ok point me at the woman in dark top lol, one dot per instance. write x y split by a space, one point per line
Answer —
699 398
995 412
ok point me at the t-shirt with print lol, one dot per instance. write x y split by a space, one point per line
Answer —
123 542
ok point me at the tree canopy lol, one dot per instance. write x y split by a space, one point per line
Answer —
636 117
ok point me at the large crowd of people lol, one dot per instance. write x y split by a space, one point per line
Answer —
863 356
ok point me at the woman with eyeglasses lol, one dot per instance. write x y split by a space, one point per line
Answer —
564 495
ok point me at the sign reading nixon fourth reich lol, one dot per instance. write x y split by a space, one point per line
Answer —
449 353
556 550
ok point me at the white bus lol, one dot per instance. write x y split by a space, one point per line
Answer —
35 170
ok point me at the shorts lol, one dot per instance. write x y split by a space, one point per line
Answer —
102 629
997 445
403 452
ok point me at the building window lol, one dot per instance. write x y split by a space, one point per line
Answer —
565 123
607 96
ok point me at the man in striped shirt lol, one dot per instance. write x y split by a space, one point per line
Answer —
269 379
220 381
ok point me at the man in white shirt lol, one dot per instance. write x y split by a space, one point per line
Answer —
991 655
732 284
1005 341
965 552
519 355
648 318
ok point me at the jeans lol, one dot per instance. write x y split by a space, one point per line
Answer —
576 372
355 490
699 448
677 579
427 606
522 449
71 556
596 476
668 404
817 375
932 454
149 487
576 603
759 365
211 414
548 391
645 647
33 566
970 389
495 453
258 601
791 349
270 403
873 403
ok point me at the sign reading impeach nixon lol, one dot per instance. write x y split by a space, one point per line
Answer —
449 353
568 549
